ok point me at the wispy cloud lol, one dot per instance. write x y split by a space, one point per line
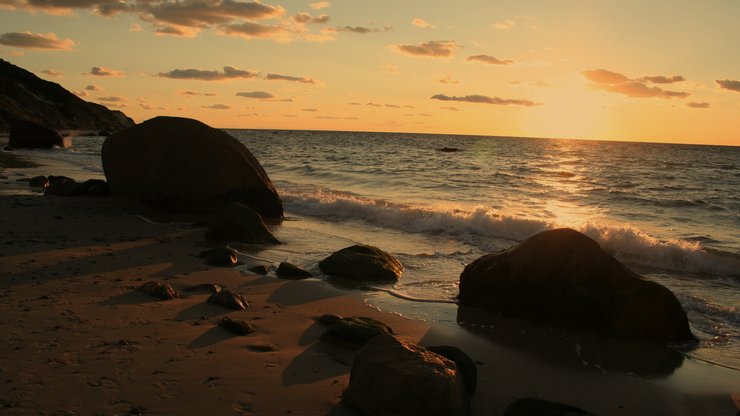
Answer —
52 73
101 71
92 87
621 84
228 73
217 107
203 14
488 59
188 94
362 30
447 79
728 84
418 22
279 77
662 79
482 99
47 41
430 49
259 95
698 105
251 30
113 99
304 17
320 5
504 24
452 108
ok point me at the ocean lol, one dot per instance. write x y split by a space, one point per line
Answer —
670 212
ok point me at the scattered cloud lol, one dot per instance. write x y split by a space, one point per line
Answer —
278 77
135 27
92 87
355 103
504 24
217 107
310 110
188 94
393 106
48 41
482 99
66 7
621 84
261 95
112 99
101 71
251 30
698 105
447 79
52 73
728 84
17 53
228 73
373 105
304 17
362 30
662 79
80 93
203 14
422 23
336 118
488 59
431 49
320 5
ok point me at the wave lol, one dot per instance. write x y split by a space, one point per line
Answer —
479 225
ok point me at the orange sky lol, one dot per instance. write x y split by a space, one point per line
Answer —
628 70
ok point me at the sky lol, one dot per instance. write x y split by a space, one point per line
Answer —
655 71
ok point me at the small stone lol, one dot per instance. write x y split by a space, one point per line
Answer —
291 271
220 256
356 331
228 299
263 347
237 326
261 269
159 290
205 287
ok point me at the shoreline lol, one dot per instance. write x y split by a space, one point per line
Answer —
74 327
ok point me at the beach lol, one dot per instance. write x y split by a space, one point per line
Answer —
77 338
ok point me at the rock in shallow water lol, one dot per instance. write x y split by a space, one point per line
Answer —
562 277
238 222
364 263
394 377
25 134
291 271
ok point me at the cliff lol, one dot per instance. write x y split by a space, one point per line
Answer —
23 95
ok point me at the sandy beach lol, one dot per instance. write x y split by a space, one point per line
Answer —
77 338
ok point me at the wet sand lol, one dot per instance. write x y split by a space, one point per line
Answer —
77 338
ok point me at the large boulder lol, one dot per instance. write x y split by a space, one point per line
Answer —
394 377
238 222
185 165
363 263
26 134
563 278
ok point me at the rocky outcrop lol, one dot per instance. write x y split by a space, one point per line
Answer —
363 263
24 96
394 377
185 165
238 222
563 278
26 134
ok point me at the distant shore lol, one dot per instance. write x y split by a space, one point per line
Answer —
76 336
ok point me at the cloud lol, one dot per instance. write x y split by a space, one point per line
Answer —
310 110
422 23
728 84
94 88
320 5
66 7
113 99
229 73
447 79
250 30
101 71
261 95
188 94
373 105
205 13
304 17
336 118
135 27
358 29
636 88
661 79
217 107
278 77
80 93
52 73
431 49
393 106
504 25
482 99
698 105
488 59
48 41
450 108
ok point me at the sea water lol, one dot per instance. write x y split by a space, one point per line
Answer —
670 212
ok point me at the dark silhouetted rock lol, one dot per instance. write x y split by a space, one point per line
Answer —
220 256
562 277
38 182
205 287
291 271
229 299
329 319
355 332
465 364
263 347
64 186
237 326
364 263
238 222
26 134
260 269
159 290
537 407
25 96
183 164
394 377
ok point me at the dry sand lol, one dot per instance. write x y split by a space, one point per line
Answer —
76 338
